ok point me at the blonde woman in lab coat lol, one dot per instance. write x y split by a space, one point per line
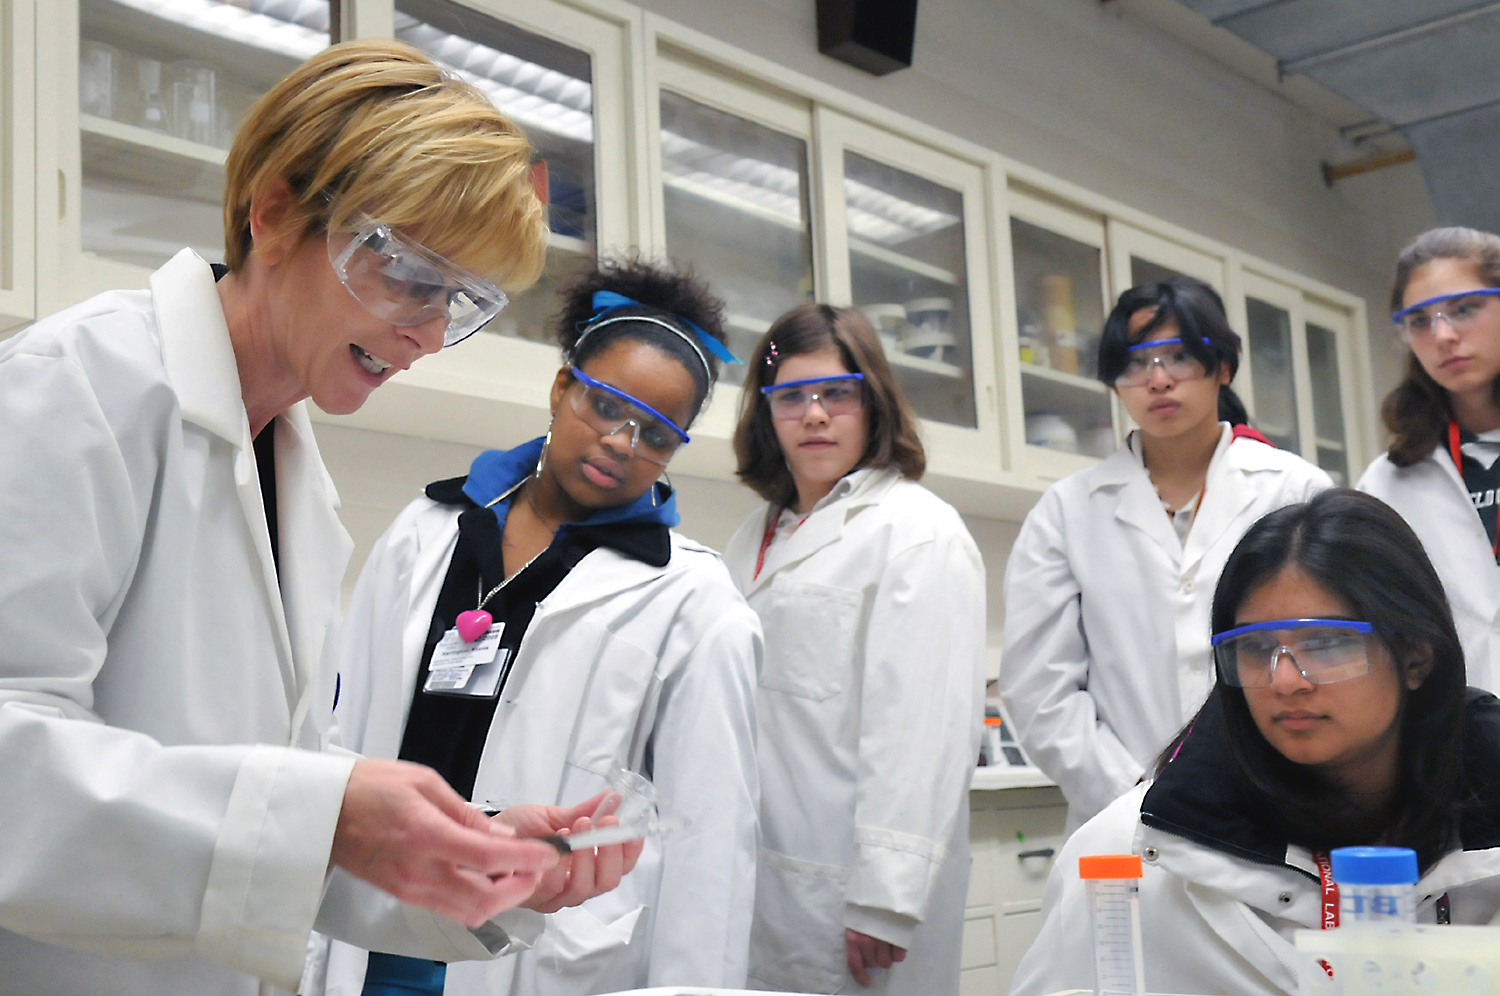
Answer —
871 594
1340 717
1108 585
1442 472
170 558
622 645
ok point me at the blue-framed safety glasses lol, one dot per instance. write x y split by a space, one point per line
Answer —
1416 322
1169 354
607 410
1322 650
840 394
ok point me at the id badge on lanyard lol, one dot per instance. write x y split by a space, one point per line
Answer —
468 670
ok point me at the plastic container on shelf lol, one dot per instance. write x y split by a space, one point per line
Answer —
1376 885
1113 882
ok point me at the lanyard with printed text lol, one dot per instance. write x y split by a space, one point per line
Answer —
1455 450
1330 918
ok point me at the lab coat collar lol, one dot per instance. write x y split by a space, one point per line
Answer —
825 523
196 349
198 357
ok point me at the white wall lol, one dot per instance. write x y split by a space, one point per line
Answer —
1096 94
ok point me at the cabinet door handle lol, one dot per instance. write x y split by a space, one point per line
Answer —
1041 852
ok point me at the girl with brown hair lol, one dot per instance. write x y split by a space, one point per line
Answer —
1442 471
870 593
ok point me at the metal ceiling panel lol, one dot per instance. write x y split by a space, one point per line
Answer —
1428 67
1294 29
1423 75
1458 160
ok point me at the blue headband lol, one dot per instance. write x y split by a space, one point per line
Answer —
606 302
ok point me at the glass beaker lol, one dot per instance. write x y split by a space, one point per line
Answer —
1114 889
153 108
194 107
98 78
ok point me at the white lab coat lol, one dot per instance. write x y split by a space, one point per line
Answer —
626 665
1106 651
870 706
159 835
1212 923
1431 496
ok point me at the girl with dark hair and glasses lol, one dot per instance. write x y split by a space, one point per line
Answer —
534 626
1340 717
1107 588
1442 472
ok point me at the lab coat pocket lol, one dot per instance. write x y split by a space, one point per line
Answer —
809 633
797 938
583 951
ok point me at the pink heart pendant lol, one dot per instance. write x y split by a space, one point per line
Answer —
473 624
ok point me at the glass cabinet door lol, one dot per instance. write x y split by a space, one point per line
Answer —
907 270
1059 283
1325 329
1273 364
735 204
547 88
1139 257
162 85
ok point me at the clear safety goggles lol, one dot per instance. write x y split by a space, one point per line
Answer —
1322 650
401 282
1169 354
1458 310
840 395
607 410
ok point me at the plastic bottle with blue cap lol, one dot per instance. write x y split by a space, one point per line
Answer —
1376 885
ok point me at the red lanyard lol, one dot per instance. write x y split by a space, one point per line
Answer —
1330 890
773 517
1455 450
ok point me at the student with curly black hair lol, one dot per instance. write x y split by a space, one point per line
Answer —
536 625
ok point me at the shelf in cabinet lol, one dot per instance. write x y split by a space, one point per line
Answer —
253 48
935 368
570 243
749 208
133 137
900 262
746 323
1059 377
1335 445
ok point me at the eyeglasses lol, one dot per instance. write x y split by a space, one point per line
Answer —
1169 354
401 282
1322 650
1417 322
607 410
839 395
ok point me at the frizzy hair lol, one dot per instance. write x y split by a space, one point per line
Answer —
1416 412
812 328
663 291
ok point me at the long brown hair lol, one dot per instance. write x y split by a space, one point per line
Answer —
1416 412
812 328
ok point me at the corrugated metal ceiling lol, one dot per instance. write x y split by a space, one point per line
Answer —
1429 67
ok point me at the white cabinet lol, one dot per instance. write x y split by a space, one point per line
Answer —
1014 838
988 281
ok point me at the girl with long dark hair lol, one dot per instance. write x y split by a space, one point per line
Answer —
1107 589
1340 717
1442 471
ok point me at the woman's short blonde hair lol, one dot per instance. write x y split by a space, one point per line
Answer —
377 128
